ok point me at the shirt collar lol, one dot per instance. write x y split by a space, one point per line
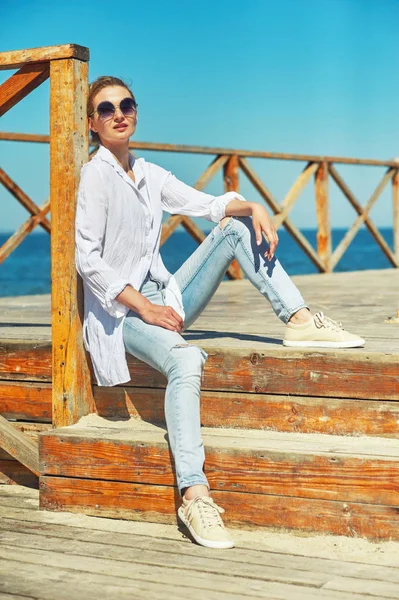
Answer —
106 155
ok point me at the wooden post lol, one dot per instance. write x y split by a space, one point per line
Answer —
232 184
395 202
324 244
71 386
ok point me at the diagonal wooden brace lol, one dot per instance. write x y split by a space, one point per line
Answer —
21 84
19 446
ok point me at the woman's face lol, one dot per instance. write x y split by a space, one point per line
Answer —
119 127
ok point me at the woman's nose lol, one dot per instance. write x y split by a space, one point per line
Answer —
118 113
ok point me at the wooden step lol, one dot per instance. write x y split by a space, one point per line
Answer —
323 483
283 371
336 416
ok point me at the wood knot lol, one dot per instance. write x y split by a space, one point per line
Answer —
254 358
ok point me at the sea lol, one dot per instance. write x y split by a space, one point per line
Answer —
27 270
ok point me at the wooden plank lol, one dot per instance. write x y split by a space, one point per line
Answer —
24 199
126 500
216 565
259 411
19 446
49 582
292 372
261 464
359 221
24 361
72 395
232 184
25 400
324 240
275 206
369 375
19 85
378 589
13 242
13 472
231 175
210 172
295 192
135 543
367 222
15 59
185 149
24 137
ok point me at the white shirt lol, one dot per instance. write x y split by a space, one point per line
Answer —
118 229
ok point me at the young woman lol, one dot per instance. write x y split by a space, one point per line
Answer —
133 304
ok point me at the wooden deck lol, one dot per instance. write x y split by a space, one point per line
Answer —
238 317
47 555
305 439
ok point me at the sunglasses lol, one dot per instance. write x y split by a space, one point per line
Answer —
106 109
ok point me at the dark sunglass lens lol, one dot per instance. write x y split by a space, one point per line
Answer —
105 110
128 106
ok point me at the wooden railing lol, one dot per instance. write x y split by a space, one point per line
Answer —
319 168
67 68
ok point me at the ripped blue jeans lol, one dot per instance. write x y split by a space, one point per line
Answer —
167 351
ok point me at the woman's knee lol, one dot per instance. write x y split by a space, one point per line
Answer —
185 360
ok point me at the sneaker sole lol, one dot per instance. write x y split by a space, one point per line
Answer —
351 344
201 541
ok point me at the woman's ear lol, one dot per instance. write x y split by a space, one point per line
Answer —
91 125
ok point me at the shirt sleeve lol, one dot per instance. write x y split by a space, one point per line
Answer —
178 198
90 224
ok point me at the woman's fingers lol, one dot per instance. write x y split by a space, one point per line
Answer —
258 232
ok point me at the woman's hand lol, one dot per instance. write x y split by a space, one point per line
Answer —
262 223
163 316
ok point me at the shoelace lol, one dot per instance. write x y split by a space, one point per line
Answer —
320 320
209 512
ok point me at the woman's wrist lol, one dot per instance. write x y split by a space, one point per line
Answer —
133 300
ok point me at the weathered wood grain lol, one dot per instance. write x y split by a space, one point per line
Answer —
15 59
335 374
360 220
13 472
295 191
25 400
23 231
19 446
249 462
21 83
288 413
182 148
71 384
368 222
23 198
159 503
324 239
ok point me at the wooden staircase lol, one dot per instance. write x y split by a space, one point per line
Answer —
318 452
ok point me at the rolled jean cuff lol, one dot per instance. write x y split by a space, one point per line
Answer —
286 316
190 482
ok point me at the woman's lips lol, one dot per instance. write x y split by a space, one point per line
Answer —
120 127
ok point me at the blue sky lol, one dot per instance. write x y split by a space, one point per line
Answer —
296 76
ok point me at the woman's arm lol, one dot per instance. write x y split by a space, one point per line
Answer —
179 198
163 316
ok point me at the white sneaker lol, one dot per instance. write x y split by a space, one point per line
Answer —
202 518
320 332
